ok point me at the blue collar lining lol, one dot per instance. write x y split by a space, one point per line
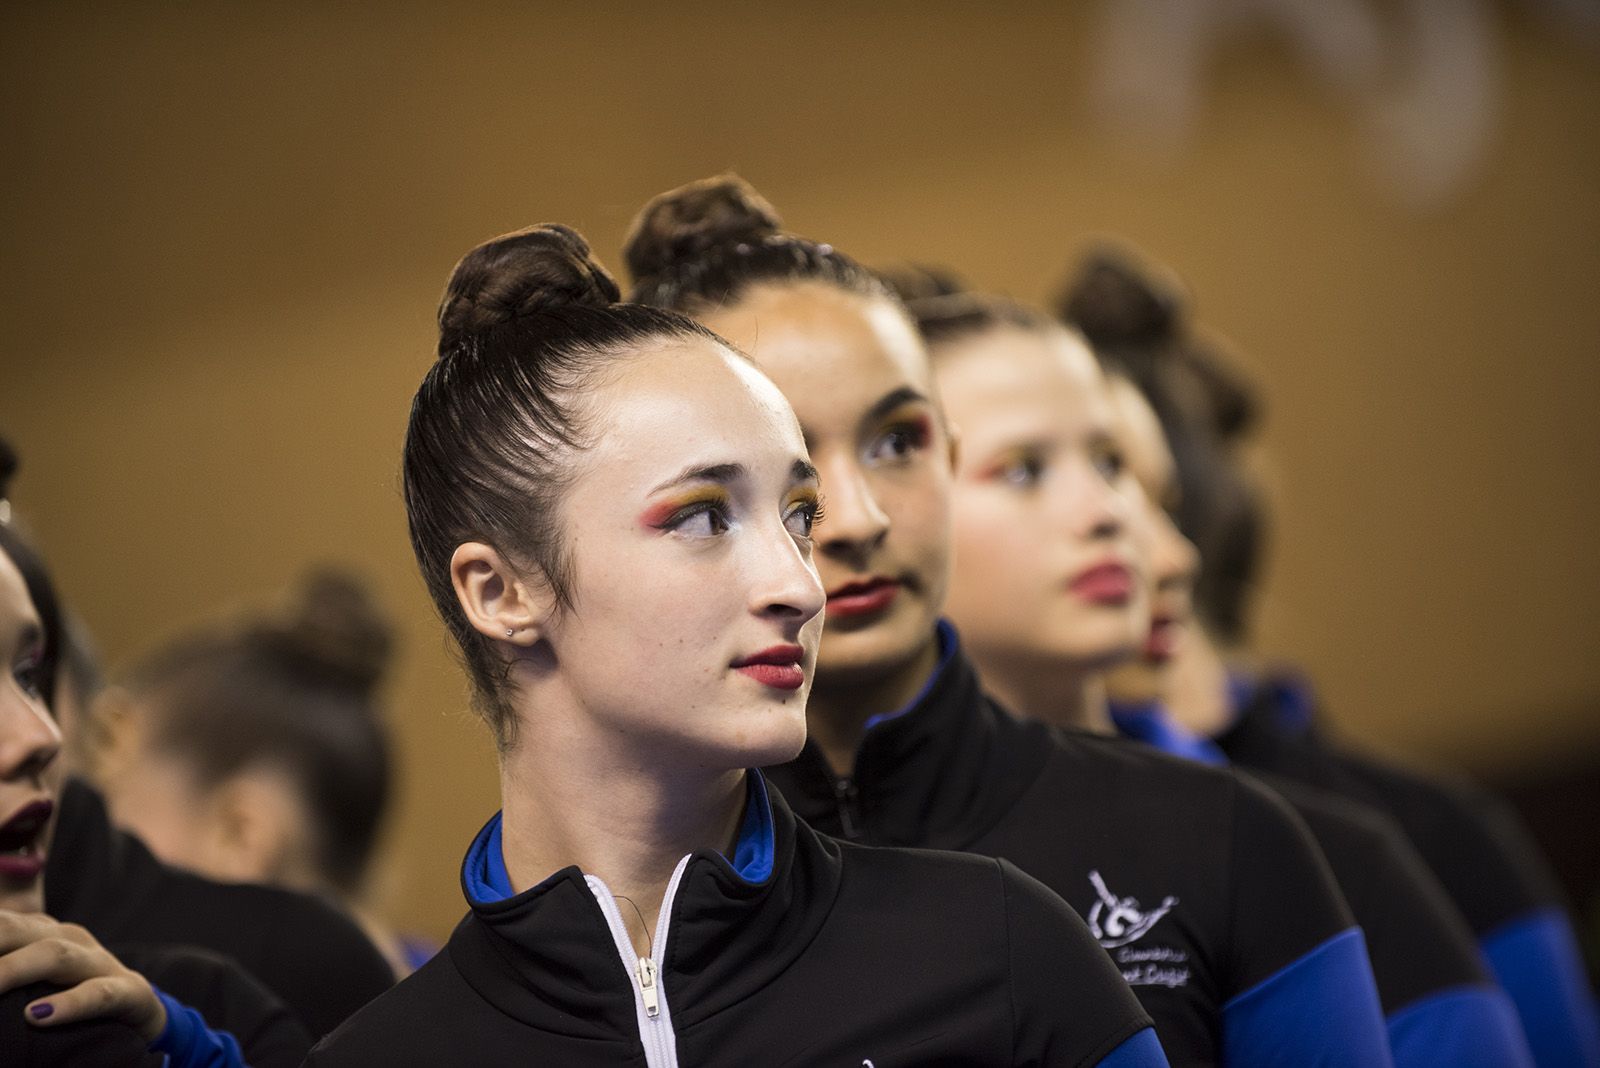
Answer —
1150 724
945 635
485 867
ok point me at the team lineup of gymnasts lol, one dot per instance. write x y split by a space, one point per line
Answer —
857 652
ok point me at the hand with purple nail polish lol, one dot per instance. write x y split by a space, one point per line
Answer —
98 986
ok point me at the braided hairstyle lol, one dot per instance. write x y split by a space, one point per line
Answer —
530 323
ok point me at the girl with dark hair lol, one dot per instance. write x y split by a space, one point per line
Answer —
65 998
613 510
303 950
1441 1004
255 750
1483 858
1203 889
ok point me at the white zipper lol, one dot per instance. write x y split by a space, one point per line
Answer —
649 997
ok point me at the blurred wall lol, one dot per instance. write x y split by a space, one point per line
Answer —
224 233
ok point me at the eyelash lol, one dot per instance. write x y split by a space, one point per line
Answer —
27 673
1030 465
716 512
719 521
813 512
1109 461
914 434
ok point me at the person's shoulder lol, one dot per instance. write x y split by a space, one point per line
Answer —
1116 758
423 1019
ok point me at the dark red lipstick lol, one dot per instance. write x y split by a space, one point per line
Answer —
1162 641
862 597
778 667
21 856
1109 582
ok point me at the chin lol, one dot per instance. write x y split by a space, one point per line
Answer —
852 655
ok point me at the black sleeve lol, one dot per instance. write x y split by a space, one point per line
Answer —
325 966
1418 942
1285 901
269 1035
91 1044
1472 841
1069 1003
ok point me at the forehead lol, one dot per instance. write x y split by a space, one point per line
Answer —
834 353
16 607
1140 433
687 401
1010 378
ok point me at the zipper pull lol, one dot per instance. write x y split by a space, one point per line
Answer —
647 986
848 800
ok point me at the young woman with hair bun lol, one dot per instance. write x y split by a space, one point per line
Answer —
1136 316
613 510
68 998
1205 891
253 748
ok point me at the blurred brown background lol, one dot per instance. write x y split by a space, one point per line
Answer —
224 233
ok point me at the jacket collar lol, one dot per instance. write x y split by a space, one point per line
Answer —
546 956
938 773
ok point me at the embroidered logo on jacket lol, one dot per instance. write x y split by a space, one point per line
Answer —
1116 921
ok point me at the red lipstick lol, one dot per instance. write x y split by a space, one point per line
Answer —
778 667
862 597
1162 642
21 857
1109 583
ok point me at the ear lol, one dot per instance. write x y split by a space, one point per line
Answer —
253 828
497 600
112 734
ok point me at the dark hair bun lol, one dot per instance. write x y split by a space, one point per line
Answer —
1117 302
531 270
691 220
917 281
333 626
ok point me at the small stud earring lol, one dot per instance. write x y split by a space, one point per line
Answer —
510 632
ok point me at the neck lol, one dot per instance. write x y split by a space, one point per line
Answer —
1195 689
585 796
1050 693
841 703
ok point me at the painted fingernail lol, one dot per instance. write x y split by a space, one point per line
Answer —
41 1010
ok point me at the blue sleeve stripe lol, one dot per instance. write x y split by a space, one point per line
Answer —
1140 1050
187 1042
1536 960
1320 1010
1463 1027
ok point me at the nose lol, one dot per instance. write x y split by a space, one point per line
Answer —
1098 509
856 526
1177 561
29 737
787 588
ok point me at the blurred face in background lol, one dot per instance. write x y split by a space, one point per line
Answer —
1048 577
857 374
29 744
1173 563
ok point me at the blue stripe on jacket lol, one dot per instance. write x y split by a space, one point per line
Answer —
1464 1027
1140 1050
1320 1010
1536 959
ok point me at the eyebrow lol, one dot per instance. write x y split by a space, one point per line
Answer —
892 400
724 474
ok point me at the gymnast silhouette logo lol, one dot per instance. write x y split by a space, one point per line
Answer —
1116 921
